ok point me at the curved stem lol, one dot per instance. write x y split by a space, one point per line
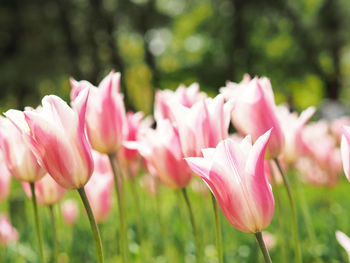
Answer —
54 234
118 188
93 225
194 226
218 229
263 248
37 223
293 210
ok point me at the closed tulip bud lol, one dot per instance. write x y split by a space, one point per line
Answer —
99 193
47 191
255 111
186 96
70 211
5 180
105 114
162 151
18 154
202 126
235 175
8 234
292 127
58 136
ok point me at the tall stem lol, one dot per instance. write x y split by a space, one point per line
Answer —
54 234
194 226
93 225
218 229
37 223
293 210
263 248
118 188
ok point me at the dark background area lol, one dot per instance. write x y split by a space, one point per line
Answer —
302 45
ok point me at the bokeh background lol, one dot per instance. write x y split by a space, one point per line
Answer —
302 45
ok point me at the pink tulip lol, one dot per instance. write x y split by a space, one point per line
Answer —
5 180
235 175
269 239
255 111
101 163
344 241
186 96
18 155
162 151
105 114
336 127
47 191
70 211
292 127
202 126
345 150
8 234
99 193
58 135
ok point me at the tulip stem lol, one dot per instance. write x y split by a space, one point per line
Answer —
194 226
264 251
54 234
37 223
93 225
218 229
293 210
118 188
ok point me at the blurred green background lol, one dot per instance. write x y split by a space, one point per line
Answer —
302 45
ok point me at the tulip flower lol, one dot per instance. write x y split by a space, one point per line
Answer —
70 211
58 136
344 241
5 180
164 155
255 111
345 151
8 234
235 175
292 127
99 193
336 127
47 191
203 125
105 113
18 155
186 96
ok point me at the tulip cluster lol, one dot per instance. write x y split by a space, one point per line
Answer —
94 144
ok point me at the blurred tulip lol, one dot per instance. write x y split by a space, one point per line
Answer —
336 127
5 180
70 211
235 175
270 239
47 191
255 111
345 150
8 234
202 126
186 96
292 127
162 151
105 114
99 193
18 155
58 135
275 172
344 241
101 163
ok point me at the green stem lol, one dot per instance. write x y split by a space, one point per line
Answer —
279 213
135 195
37 223
93 225
293 210
194 226
265 252
118 188
218 229
54 234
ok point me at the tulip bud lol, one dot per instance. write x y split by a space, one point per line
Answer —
235 175
8 234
